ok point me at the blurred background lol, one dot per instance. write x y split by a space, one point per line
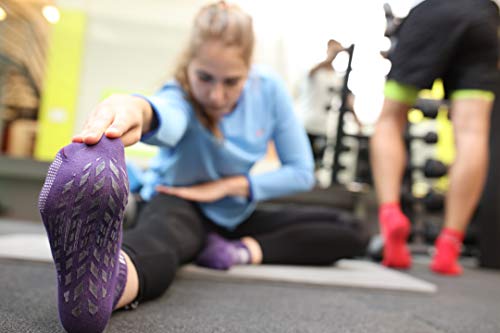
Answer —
58 59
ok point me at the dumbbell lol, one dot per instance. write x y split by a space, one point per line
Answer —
432 168
429 137
429 107
392 22
433 201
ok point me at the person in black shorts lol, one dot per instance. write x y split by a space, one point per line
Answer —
456 41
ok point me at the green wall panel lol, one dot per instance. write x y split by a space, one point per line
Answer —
61 84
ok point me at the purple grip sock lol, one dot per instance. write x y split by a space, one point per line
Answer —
220 253
82 204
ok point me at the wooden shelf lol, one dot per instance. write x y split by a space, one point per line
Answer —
22 168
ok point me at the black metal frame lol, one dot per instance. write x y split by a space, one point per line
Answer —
340 134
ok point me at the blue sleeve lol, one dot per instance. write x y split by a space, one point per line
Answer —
297 165
172 112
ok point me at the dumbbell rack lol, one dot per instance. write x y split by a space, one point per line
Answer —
334 166
415 208
344 109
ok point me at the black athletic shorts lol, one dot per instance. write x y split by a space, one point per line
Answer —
455 40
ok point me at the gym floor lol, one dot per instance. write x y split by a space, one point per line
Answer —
469 303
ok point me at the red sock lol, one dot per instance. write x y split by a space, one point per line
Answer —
395 230
448 246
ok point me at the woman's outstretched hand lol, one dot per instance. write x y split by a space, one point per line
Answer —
119 116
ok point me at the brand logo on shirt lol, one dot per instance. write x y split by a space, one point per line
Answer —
259 132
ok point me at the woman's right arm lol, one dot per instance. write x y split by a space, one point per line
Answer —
119 116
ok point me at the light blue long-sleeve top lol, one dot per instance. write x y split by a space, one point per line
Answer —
189 154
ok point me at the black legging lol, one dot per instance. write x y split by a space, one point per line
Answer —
171 232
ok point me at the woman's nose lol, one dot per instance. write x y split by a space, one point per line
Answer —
217 94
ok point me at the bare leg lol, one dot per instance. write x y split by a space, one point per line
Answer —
471 120
254 248
388 154
388 158
132 286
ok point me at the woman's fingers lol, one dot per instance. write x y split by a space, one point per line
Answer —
124 122
164 189
98 122
116 117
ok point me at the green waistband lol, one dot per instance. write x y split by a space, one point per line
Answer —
472 94
399 92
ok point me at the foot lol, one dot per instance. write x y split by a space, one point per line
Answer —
220 253
448 247
82 204
395 230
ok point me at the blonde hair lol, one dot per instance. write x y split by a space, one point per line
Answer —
223 22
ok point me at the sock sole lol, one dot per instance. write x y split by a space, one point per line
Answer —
82 205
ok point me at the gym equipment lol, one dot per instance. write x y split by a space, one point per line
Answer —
392 26
363 172
429 107
433 201
432 168
341 120
417 206
428 138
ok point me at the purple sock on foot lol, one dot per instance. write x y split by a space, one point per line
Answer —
220 253
82 204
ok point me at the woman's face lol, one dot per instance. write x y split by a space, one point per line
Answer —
217 75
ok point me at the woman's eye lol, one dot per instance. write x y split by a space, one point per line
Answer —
205 78
231 82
